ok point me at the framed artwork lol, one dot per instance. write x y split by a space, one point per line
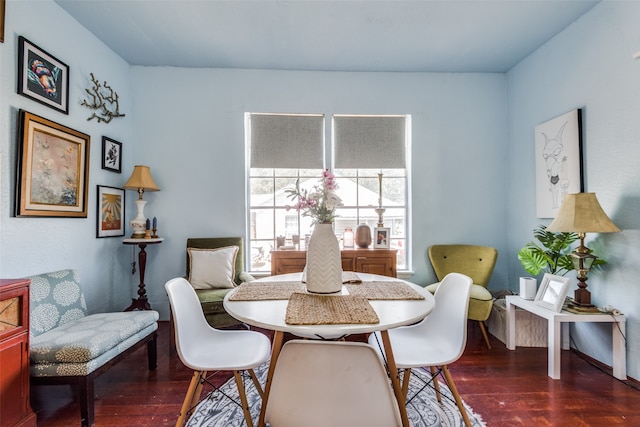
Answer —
552 292
110 212
2 9
52 169
381 237
42 77
558 161
111 155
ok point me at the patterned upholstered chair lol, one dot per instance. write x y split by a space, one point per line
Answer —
474 261
69 346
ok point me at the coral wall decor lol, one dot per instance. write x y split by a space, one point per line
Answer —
103 102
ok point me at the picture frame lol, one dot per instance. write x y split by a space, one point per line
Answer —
110 212
2 13
42 77
111 155
52 170
381 237
552 292
558 154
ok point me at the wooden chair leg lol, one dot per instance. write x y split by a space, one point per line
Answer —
256 383
195 384
454 391
436 384
86 392
405 382
484 333
243 398
152 353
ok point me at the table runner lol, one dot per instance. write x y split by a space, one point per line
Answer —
258 291
385 290
313 309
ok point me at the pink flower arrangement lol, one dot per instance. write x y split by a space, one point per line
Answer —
321 202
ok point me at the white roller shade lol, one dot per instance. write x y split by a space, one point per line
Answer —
369 142
287 141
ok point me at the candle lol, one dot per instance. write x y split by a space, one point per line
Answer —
155 222
148 224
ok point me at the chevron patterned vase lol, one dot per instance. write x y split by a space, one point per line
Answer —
324 264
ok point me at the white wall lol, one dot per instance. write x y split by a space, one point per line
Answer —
37 245
189 129
588 66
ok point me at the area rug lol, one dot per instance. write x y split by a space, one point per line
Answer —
423 411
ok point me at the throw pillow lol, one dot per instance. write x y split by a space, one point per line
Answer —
212 268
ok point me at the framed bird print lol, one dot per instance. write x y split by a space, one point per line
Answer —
42 77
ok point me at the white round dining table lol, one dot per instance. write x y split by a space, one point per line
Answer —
392 313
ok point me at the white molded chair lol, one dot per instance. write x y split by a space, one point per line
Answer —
330 383
438 340
203 348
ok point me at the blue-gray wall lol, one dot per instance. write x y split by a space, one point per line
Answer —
472 154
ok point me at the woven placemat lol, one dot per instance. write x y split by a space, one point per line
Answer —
266 291
311 309
384 290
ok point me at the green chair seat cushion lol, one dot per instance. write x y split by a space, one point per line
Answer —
480 301
211 300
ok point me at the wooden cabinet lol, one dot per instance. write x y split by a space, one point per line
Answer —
15 409
374 261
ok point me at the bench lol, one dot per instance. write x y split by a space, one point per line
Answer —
69 346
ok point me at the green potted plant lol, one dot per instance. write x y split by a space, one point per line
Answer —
550 254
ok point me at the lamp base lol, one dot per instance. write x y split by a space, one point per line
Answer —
139 223
582 298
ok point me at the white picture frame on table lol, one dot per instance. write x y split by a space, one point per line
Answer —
381 237
552 292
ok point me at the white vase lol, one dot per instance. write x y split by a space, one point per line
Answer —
324 263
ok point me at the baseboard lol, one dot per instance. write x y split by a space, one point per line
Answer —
631 382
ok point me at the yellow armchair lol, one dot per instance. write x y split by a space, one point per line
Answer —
474 261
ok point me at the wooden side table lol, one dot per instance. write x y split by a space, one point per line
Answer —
141 303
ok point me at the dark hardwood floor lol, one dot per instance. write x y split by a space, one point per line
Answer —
507 388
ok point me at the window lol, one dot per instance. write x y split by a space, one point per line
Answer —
368 156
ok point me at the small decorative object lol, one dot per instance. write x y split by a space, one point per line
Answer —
110 212
558 148
42 77
528 287
104 102
380 210
324 263
52 169
111 155
279 242
295 239
552 292
154 228
347 238
381 236
147 229
363 236
141 181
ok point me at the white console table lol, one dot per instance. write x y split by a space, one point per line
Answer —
558 329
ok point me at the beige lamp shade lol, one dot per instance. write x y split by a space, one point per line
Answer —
582 213
141 180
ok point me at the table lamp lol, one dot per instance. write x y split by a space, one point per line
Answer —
141 181
581 213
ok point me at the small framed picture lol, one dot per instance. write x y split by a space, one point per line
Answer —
552 292
381 237
42 77
111 155
110 212
52 171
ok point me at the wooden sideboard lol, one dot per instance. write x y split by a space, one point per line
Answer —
374 261
15 409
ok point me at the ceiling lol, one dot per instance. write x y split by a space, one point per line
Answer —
327 35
